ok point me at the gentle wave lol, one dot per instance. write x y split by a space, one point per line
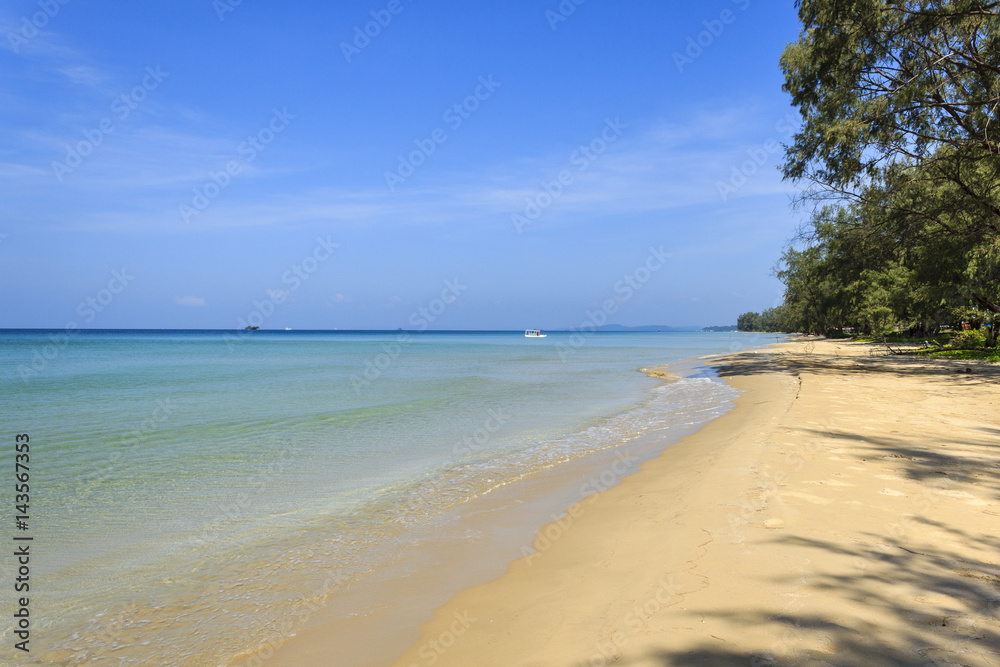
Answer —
295 562
200 499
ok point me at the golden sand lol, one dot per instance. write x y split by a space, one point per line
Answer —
846 512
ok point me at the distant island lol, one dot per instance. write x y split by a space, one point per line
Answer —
251 328
647 327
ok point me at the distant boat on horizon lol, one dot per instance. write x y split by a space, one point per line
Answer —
533 333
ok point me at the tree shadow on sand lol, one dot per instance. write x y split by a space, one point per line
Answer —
938 604
942 370
950 616
970 462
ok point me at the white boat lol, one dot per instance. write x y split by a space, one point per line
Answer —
533 333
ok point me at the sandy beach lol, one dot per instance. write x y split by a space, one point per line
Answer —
846 512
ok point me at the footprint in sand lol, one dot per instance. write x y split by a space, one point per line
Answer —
829 482
954 494
963 495
808 497
891 492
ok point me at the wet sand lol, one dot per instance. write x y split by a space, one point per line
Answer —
846 512
372 619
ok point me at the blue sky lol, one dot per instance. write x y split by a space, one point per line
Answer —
188 164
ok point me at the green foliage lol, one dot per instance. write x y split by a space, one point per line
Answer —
970 338
748 322
972 355
897 99
873 271
898 94
901 338
771 320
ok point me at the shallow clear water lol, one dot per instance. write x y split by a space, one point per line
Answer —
187 487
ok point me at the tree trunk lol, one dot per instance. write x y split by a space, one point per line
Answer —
986 304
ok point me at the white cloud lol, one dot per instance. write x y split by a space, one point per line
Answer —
655 168
83 75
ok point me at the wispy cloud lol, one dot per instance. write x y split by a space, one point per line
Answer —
149 170
83 75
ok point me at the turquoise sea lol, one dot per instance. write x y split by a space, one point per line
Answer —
192 491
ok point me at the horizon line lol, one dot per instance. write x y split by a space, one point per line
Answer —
624 329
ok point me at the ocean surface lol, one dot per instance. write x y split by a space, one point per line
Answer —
196 494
